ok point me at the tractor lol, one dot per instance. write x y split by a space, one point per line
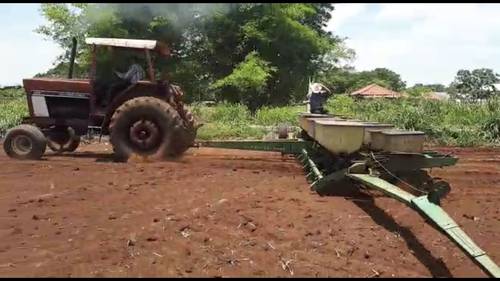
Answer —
146 118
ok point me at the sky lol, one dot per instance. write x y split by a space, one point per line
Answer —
424 43
23 53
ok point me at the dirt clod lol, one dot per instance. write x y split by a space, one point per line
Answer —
152 238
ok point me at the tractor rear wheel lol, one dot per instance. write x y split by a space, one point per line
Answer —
148 126
25 142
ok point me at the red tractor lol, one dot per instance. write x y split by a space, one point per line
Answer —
145 118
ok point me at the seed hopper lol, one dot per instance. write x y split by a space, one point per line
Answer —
335 150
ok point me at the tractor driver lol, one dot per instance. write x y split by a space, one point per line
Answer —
317 96
134 74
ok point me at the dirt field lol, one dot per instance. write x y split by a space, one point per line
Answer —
228 213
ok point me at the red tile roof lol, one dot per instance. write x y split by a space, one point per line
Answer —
375 91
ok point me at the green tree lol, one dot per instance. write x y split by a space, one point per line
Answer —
210 41
247 83
339 80
418 90
432 87
282 36
474 85
383 76
65 22
344 79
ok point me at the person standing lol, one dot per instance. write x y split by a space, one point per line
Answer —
317 97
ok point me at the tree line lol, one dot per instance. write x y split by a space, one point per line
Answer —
255 54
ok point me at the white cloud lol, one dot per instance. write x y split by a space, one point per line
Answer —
426 43
344 12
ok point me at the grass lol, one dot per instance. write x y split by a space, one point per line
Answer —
13 108
234 121
226 121
446 123
272 116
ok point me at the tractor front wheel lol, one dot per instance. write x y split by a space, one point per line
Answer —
25 142
148 127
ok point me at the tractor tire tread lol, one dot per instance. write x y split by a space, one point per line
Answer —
174 125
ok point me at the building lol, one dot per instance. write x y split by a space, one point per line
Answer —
375 91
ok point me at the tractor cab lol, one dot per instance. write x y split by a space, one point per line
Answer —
111 63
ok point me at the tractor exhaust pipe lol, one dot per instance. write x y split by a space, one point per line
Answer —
72 59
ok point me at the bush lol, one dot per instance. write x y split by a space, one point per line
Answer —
222 131
12 110
11 92
272 116
446 122
222 113
248 81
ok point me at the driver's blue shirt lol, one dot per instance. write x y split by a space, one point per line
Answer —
133 74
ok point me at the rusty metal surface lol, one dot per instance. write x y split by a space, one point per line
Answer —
59 85
30 103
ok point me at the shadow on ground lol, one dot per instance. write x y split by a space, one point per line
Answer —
366 203
109 157
99 157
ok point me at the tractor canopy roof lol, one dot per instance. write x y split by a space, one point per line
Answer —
153 45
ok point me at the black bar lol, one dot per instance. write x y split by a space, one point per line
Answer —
72 59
